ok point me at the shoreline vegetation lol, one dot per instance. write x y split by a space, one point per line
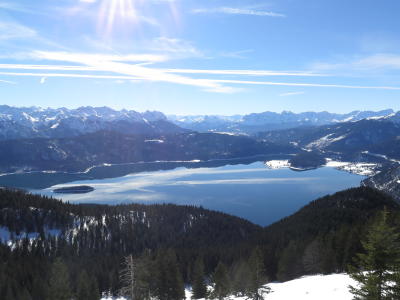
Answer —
77 189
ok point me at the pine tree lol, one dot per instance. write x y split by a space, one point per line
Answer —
241 278
83 292
59 284
169 283
377 266
9 293
94 293
257 275
199 286
221 282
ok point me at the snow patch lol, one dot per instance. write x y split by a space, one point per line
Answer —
316 287
325 141
277 164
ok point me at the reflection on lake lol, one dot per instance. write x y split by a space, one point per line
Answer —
250 191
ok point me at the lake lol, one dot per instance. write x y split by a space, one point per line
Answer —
251 191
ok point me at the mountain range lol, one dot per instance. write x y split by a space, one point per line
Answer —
35 122
265 121
72 140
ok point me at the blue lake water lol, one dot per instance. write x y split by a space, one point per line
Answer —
251 191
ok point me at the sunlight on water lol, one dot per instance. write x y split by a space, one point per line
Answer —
250 191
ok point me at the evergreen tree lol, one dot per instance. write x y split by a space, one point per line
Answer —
312 261
84 287
94 293
221 282
241 278
289 265
199 286
376 267
59 284
257 275
9 294
169 283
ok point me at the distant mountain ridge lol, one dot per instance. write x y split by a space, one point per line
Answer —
265 121
35 122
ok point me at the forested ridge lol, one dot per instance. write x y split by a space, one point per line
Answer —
197 244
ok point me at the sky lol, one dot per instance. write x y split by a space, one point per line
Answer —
201 56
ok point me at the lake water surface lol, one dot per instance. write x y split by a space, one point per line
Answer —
251 191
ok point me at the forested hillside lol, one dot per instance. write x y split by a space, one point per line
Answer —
79 153
39 233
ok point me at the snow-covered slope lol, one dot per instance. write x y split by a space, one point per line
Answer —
317 287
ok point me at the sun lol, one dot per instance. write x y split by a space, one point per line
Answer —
118 10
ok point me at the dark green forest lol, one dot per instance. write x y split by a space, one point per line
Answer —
176 244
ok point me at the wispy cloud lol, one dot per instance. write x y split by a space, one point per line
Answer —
342 86
379 61
237 54
237 11
177 48
69 75
6 81
121 70
16 7
137 71
82 57
375 62
245 72
151 58
12 30
290 94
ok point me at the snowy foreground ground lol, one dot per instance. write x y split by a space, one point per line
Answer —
318 287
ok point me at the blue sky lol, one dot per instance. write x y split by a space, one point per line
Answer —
201 57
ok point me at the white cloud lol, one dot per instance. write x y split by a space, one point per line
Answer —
82 57
140 72
237 11
361 64
136 71
43 80
379 61
179 71
176 47
12 6
342 86
6 81
290 94
69 75
237 54
244 72
11 30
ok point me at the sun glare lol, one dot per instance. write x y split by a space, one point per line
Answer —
112 11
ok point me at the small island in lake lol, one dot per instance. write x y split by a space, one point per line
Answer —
304 161
78 189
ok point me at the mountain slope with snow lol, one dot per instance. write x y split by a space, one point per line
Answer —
35 122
